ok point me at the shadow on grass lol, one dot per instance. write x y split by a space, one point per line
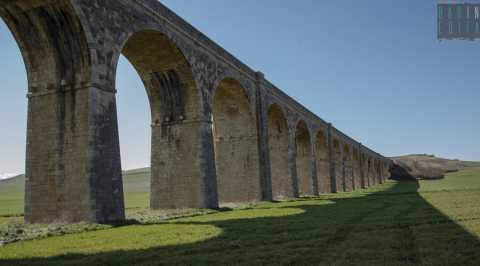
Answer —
391 227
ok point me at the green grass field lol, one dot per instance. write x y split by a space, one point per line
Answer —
397 223
136 190
11 197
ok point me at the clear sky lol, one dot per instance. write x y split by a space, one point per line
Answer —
373 68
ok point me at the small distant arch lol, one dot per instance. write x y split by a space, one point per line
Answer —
323 162
337 156
278 138
304 159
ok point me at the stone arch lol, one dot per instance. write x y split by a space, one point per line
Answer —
236 144
378 172
369 171
364 171
337 155
347 168
304 159
278 136
176 113
356 169
167 75
323 162
52 42
57 61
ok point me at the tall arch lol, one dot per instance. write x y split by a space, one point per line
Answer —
304 159
369 171
174 98
282 186
379 171
236 144
364 171
374 171
337 152
347 168
323 162
60 161
12 113
356 169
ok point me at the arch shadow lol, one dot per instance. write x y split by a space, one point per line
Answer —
391 227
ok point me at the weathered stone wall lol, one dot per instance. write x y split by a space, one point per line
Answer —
278 138
348 170
339 167
303 159
323 163
236 145
66 151
221 132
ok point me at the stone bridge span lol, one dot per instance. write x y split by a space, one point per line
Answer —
221 132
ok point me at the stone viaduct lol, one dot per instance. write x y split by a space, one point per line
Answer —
221 132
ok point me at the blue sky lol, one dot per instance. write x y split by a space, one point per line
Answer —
373 68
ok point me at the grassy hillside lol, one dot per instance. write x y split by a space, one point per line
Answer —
136 185
11 196
427 222
423 166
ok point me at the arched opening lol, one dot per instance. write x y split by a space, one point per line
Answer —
13 113
55 53
338 166
134 135
282 186
174 105
236 144
356 169
378 172
364 170
323 163
369 172
304 159
347 169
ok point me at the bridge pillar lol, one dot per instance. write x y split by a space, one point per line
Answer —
263 145
314 166
361 165
352 168
343 168
73 169
292 162
182 172
332 160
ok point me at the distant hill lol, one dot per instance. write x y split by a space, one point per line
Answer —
20 179
424 166
136 185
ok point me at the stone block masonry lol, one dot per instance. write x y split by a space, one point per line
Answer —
221 132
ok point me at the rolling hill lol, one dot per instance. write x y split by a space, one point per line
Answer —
137 181
424 166
136 184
